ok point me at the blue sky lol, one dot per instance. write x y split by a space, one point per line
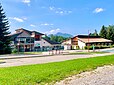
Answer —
52 16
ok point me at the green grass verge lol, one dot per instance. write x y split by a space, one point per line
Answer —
77 53
50 72
33 53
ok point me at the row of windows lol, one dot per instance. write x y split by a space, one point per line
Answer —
99 44
24 40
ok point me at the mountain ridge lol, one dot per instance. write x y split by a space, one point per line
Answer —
67 35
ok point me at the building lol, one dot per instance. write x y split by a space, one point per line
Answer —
80 41
67 44
25 40
45 45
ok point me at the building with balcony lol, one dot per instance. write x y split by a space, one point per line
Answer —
25 40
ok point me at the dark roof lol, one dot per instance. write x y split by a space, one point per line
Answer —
30 32
14 35
24 30
86 36
38 33
50 41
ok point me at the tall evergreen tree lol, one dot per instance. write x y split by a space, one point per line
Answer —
4 38
110 33
103 32
94 34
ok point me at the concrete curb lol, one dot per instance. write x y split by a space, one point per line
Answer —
27 56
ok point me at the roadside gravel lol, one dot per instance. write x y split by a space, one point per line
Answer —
100 76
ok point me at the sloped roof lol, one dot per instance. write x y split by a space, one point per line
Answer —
14 35
50 41
93 40
86 36
38 33
18 33
24 30
30 32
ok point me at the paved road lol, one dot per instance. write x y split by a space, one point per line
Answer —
38 60
43 59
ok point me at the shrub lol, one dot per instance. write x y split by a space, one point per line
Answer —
98 47
14 50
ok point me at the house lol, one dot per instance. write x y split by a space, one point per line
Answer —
25 40
80 41
46 44
67 44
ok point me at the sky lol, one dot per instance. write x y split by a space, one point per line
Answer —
52 16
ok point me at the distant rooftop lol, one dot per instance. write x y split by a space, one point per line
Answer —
86 36
93 40
51 42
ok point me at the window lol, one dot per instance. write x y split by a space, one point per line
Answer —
32 40
28 40
37 38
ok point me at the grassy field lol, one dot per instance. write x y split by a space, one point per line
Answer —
77 53
29 53
50 72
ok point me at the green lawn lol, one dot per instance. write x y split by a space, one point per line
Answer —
30 53
50 72
77 53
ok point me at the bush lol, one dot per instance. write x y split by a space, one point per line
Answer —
89 47
8 50
98 47
14 50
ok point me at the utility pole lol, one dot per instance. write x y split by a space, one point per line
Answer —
88 40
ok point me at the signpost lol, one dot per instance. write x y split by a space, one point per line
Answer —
93 48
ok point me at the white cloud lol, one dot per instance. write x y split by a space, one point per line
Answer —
25 18
98 10
53 31
46 24
59 10
26 2
32 25
18 19
69 11
51 8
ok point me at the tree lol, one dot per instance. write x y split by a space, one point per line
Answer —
53 38
103 32
4 38
110 32
56 38
94 34
47 37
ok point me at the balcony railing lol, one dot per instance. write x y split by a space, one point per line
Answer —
24 40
